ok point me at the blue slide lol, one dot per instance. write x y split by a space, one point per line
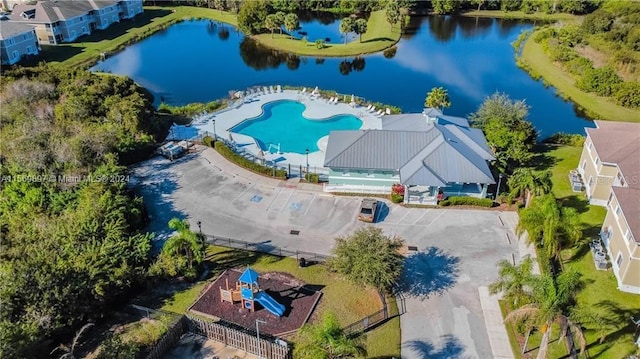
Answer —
269 303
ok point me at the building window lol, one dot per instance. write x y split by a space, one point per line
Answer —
590 146
619 259
609 200
345 172
29 49
584 164
52 40
15 54
618 211
620 179
629 236
597 161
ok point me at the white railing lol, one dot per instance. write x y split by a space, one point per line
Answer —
353 188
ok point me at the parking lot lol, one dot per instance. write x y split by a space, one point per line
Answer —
457 250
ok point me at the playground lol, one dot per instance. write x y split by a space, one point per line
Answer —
241 297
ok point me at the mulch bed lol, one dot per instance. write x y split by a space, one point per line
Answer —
298 299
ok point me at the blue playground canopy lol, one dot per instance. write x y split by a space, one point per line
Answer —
249 276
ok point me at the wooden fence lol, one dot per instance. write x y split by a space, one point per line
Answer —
263 348
169 340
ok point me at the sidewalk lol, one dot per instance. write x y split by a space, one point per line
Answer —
498 337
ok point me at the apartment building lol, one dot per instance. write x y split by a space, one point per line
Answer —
16 41
610 168
64 21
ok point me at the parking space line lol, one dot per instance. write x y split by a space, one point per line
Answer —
309 205
406 214
419 218
243 192
274 199
288 199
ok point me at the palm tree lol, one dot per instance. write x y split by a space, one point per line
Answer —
346 26
326 340
551 301
546 222
70 349
185 241
527 182
360 27
291 23
271 23
438 98
514 282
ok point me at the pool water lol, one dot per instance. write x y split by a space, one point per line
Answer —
281 123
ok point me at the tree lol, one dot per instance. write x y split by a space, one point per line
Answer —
527 182
478 2
438 98
392 13
514 282
360 27
280 20
320 44
271 23
549 225
327 340
346 26
510 136
369 257
185 241
445 6
252 15
551 300
291 23
70 349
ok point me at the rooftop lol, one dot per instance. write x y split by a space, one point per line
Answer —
10 29
619 143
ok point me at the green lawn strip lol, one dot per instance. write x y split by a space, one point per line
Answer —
520 15
511 331
599 285
86 50
539 64
378 37
347 301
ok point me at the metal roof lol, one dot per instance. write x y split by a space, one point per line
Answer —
53 11
424 151
11 29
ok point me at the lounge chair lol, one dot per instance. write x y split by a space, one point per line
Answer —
368 108
387 111
331 100
379 113
264 90
304 90
373 109
271 89
336 100
279 88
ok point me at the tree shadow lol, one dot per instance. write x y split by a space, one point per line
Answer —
574 201
378 39
448 347
429 272
541 160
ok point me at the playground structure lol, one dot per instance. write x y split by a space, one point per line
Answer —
247 291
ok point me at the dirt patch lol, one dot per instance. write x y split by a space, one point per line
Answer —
298 298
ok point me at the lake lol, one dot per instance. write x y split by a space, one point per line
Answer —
198 61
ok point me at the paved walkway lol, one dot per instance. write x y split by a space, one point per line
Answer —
498 336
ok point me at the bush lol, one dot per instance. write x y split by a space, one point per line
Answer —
397 198
312 177
627 94
191 108
208 141
602 81
578 66
227 153
320 44
467 201
568 139
599 21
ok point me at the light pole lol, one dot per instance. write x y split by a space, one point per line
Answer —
499 182
213 121
259 321
200 227
307 152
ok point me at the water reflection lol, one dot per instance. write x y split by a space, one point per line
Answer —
261 58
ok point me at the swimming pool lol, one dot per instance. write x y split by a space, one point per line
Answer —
281 123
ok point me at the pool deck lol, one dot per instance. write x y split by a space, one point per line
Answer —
316 108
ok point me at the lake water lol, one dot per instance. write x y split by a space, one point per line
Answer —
198 61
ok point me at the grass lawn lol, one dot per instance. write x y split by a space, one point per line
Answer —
86 50
519 15
347 301
378 37
539 63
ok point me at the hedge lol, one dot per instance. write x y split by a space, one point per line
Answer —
467 201
312 177
228 153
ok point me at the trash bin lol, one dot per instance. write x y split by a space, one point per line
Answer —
302 262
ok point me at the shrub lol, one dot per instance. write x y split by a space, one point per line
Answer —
320 44
599 21
312 177
227 153
397 188
397 198
602 81
208 141
627 94
578 66
467 201
191 109
568 139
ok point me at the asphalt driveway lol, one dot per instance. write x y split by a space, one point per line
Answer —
457 250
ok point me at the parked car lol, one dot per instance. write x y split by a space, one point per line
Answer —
368 210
